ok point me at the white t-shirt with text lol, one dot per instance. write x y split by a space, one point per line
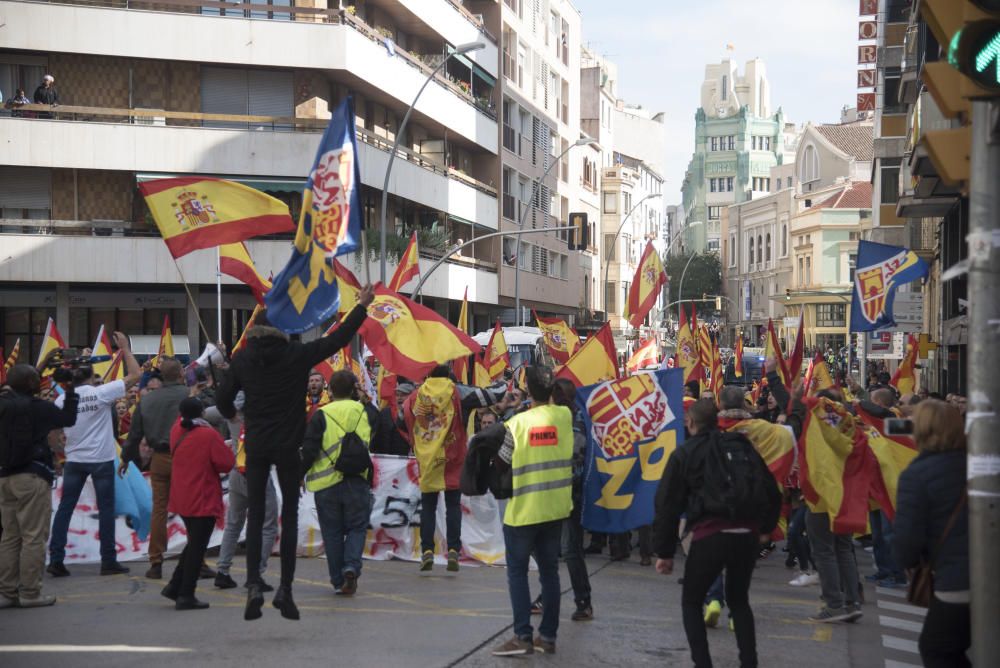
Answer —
92 439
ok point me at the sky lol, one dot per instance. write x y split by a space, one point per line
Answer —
661 48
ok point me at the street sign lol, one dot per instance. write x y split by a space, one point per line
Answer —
885 344
791 322
908 311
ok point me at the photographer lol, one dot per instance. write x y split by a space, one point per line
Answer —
90 452
26 477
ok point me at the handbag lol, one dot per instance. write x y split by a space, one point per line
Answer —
921 587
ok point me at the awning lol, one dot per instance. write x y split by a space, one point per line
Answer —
476 69
929 207
264 185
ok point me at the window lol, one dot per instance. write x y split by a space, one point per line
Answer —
760 249
852 263
229 90
753 142
725 87
802 276
508 193
610 292
831 315
712 245
889 175
784 240
714 212
750 246
809 271
767 248
610 202
729 184
789 182
610 250
890 92
732 250
715 143
809 170
853 236
711 185
732 142
627 204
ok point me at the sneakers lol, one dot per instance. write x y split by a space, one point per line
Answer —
855 613
514 647
712 613
40 601
453 561
804 579
114 568
224 581
543 646
536 606
765 551
583 613
350 585
57 570
829 615
155 572
427 560
790 561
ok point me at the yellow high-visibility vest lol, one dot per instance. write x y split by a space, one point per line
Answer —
542 466
341 416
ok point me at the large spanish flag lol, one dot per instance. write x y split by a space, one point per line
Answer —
774 442
892 454
649 278
595 362
905 378
409 266
560 339
773 349
410 339
102 347
461 365
52 340
497 357
687 350
647 354
166 347
235 260
203 212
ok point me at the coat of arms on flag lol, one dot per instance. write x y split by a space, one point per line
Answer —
881 269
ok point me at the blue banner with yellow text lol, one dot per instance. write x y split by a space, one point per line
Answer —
305 293
880 270
633 425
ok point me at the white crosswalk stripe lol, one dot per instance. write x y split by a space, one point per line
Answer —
901 624
902 607
885 591
892 663
894 642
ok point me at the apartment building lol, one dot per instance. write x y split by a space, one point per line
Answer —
192 90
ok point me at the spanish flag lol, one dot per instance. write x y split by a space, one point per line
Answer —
235 260
595 362
738 354
410 339
645 355
794 361
817 376
687 350
52 340
480 374
892 454
649 278
203 212
409 266
166 347
116 369
497 357
461 365
102 347
11 360
339 361
348 285
773 349
560 339
385 388
905 378
242 342
705 354
774 442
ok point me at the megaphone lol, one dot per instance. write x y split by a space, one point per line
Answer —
213 354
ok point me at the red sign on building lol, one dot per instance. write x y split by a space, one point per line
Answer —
866 101
866 78
868 7
867 30
867 54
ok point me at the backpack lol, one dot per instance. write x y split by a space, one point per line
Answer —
17 448
354 459
735 480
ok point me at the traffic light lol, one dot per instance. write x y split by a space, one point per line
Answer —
788 294
718 303
579 238
975 50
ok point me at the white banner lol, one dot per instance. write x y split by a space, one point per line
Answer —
393 531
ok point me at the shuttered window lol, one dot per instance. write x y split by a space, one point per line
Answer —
25 192
271 93
229 90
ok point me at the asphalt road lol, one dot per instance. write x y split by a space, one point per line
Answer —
402 618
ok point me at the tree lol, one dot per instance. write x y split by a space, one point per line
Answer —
703 277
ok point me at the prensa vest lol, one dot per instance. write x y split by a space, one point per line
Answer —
542 466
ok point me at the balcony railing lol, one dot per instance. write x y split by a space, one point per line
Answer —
198 119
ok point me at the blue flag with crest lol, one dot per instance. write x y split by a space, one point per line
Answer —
879 271
632 425
305 293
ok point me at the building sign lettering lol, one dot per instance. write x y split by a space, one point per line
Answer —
867 54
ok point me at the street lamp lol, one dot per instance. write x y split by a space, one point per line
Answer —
582 141
607 258
461 48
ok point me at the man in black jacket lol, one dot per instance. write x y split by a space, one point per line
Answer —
717 542
26 490
273 372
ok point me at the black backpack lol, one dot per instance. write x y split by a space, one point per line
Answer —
735 479
354 458
17 448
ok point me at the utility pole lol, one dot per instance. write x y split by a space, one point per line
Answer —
982 422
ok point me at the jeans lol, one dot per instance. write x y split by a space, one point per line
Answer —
25 512
885 565
946 635
717 592
737 554
572 552
160 467
258 472
74 476
542 541
185 577
236 517
798 544
452 519
344 510
835 562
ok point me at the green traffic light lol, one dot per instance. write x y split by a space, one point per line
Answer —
974 49
988 54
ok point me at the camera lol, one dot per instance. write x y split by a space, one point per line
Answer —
71 367
898 427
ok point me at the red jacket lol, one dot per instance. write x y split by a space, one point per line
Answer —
198 460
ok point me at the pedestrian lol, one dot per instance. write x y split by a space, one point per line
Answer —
46 92
273 372
316 394
436 417
932 523
725 529
26 476
538 450
392 436
199 457
91 453
153 420
343 498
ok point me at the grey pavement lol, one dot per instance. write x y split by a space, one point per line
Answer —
401 618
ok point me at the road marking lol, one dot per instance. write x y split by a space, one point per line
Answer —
92 648
822 634
902 644
892 663
885 591
901 624
902 607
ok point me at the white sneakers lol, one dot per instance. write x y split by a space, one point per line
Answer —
804 579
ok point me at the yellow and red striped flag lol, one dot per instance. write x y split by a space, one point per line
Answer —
52 340
647 354
410 339
716 385
461 365
705 355
11 360
242 341
560 339
116 369
738 354
235 260
905 378
102 347
646 284
497 358
409 266
166 347
204 212
773 349
596 361
687 350
794 362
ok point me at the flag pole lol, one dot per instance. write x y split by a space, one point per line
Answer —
218 294
364 254
197 313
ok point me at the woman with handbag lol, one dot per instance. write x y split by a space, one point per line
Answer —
932 533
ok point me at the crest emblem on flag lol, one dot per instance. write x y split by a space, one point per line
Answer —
881 269
332 183
192 211
688 351
555 340
386 310
627 412
872 288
